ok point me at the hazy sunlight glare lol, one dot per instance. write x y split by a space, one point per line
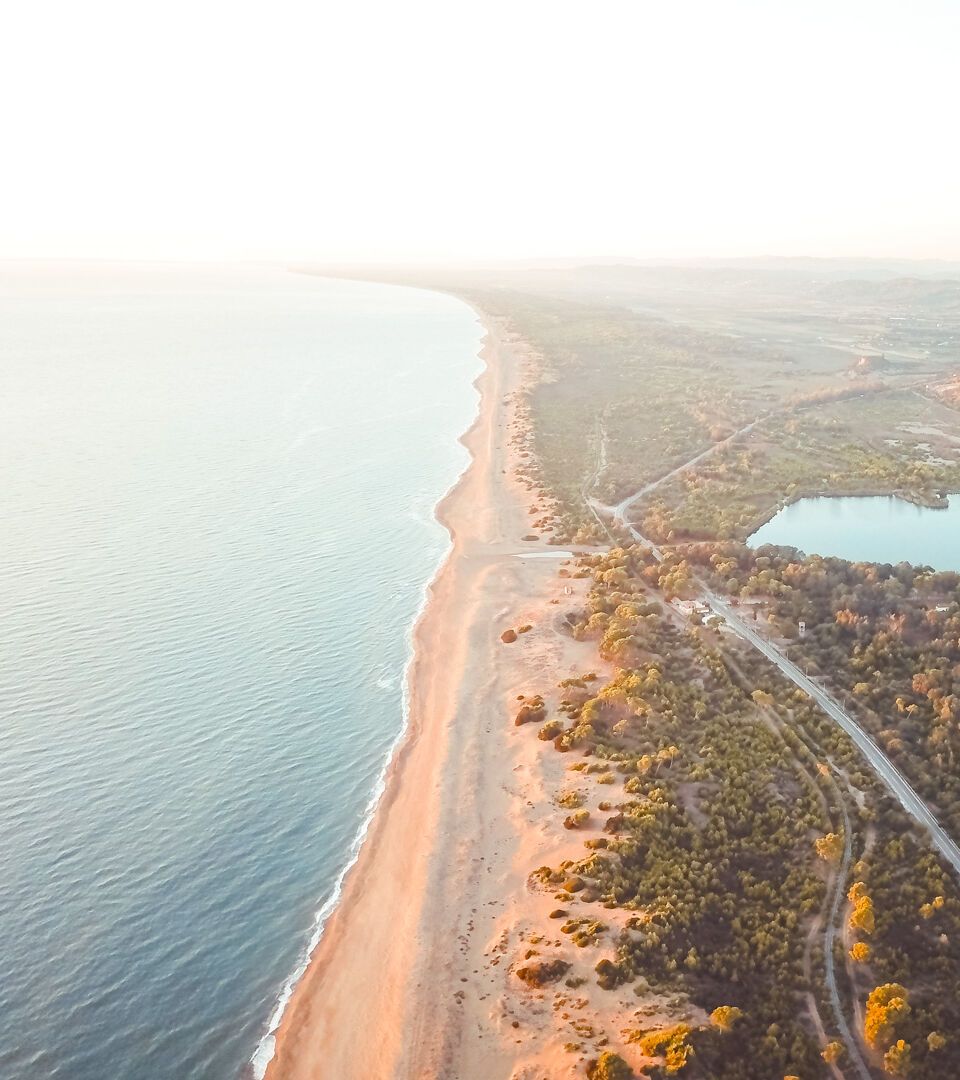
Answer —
430 129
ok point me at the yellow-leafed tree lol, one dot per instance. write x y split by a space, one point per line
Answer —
861 918
832 1052
725 1016
896 1060
885 1006
830 847
860 953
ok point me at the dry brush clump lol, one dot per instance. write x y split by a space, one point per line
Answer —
542 972
532 711
609 1066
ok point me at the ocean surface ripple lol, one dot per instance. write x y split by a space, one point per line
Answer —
217 520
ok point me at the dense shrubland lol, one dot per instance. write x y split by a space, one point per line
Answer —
708 840
887 635
721 830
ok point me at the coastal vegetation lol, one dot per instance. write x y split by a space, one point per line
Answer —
722 838
853 446
706 843
624 395
743 874
735 828
887 636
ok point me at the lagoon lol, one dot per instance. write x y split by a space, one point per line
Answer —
878 529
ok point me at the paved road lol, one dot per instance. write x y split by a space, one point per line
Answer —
889 774
622 508
883 767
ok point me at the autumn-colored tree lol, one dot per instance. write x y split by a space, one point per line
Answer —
725 1016
830 847
847 618
896 1060
926 911
886 1005
860 953
762 698
862 917
832 1052
935 1041
922 682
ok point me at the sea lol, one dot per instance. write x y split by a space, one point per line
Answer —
216 532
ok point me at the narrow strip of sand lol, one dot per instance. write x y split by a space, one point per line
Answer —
350 1013
407 979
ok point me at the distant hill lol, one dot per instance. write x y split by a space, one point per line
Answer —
937 293
799 266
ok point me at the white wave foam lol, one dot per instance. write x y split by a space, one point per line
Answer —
266 1048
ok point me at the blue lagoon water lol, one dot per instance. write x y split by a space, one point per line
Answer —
869 529
217 527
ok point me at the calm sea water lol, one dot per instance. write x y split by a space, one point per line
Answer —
217 527
874 529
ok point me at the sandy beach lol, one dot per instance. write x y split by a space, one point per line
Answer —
412 977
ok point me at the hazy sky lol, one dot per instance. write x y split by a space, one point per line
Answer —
209 128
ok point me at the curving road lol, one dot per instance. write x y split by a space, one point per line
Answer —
889 774
891 777
883 767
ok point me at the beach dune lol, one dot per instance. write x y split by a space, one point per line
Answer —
400 984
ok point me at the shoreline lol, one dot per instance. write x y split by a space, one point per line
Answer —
415 972
764 517
260 1063
302 1015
